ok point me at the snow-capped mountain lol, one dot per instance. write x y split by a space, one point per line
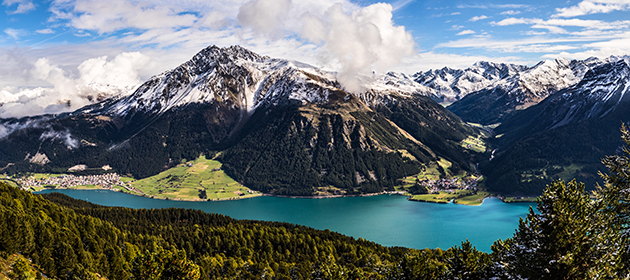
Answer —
453 84
234 76
603 91
576 126
523 89
282 126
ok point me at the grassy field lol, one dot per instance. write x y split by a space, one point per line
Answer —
473 199
10 182
570 172
441 197
476 144
185 182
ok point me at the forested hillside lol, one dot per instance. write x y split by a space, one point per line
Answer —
72 239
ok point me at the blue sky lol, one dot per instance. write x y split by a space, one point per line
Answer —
49 46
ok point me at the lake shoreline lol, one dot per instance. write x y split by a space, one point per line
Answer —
418 225
126 191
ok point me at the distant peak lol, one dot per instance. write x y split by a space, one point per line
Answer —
612 69
232 52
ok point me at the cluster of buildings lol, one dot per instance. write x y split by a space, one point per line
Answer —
454 184
65 181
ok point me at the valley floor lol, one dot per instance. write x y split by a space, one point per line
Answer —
203 180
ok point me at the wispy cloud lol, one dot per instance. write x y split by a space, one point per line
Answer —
589 24
551 28
445 14
595 42
45 31
400 4
476 18
588 7
510 12
23 6
503 6
14 33
466 32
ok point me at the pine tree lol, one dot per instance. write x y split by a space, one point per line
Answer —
615 194
571 238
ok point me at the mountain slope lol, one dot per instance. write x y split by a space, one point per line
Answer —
564 136
283 127
521 90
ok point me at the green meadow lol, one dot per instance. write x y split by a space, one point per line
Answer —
188 180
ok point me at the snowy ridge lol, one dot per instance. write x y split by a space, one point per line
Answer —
601 91
237 78
522 83
233 76
453 84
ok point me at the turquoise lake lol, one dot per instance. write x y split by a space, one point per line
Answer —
387 220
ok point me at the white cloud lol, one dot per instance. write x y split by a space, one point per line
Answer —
23 6
45 31
504 6
466 32
588 7
113 15
551 28
619 46
264 16
529 45
510 12
360 42
456 27
476 18
14 33
99 78
589 24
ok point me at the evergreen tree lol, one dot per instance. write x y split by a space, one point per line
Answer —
616 197
570 238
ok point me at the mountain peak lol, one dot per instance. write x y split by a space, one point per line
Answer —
609 69
234 52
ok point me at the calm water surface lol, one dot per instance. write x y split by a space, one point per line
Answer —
388 220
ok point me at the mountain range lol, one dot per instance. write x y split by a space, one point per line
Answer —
278 126
564 136
285 127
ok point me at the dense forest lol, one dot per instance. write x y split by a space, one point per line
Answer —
549 152
72 239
